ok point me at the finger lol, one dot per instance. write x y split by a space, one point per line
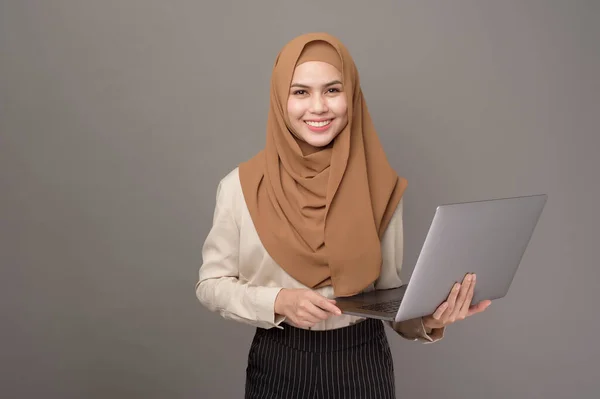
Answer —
305 324
308 316
462 295
464 310
325 304
307 310
451 302
452 298
437 315
317 312
299 320
478 308
329 307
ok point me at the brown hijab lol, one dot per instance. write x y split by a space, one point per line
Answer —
321 215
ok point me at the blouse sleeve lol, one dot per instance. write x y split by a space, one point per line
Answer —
219 288
392 254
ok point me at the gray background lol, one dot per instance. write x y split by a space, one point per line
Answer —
118 118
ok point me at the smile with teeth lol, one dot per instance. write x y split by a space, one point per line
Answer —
318 124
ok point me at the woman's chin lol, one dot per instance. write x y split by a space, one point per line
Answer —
319 142
318 139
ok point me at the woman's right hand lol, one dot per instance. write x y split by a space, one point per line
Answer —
304 307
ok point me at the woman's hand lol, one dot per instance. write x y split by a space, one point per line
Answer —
458 305
304 307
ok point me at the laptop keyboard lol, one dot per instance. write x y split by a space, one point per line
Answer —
385 307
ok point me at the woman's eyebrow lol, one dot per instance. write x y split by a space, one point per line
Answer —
303 86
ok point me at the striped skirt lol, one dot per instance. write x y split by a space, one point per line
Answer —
350 362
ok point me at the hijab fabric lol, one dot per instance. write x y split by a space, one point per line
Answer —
321 214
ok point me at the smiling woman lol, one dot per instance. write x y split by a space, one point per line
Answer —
291 232
315 215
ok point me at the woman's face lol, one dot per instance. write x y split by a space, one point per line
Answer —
317 106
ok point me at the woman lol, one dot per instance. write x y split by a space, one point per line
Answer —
316 214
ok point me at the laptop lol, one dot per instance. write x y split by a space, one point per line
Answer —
486 237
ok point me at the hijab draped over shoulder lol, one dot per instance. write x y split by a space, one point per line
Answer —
321 214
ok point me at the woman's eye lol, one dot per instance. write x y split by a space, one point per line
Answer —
299 92
333 90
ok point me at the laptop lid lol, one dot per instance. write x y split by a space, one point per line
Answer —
487 237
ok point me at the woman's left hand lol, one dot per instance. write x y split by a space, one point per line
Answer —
458 305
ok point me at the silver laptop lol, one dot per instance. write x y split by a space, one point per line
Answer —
487 238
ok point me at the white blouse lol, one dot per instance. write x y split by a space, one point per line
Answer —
239 280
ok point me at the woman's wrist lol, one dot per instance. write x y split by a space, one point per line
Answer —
280 301
428 330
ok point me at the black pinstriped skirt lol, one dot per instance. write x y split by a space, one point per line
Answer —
349 362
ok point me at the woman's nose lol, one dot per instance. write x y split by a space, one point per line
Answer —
318 105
